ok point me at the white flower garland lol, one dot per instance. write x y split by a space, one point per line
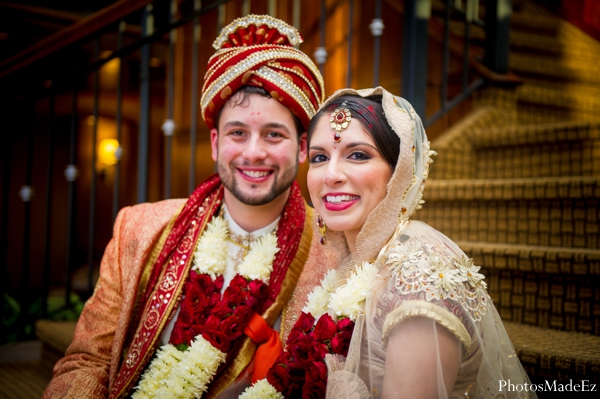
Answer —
261 390
210 256
176 374
348 299
318 300
345 301
187 374
258 264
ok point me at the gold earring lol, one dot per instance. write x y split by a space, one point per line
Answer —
322 229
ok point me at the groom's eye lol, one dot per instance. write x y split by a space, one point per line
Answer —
275 135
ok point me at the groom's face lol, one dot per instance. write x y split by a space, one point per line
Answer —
256 148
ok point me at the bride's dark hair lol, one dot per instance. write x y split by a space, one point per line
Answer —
369 112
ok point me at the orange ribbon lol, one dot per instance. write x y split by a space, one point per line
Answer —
270 345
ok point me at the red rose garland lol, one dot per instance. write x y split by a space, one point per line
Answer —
301 370
220 319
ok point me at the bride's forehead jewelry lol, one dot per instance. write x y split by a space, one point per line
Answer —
339 120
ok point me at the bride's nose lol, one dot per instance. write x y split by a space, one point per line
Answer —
334 174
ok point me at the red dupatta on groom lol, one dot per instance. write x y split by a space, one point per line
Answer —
167 274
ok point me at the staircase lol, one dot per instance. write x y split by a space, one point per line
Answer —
517 185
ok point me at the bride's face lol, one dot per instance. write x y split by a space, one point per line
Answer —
348 179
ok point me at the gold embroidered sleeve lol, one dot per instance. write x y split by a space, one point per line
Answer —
420 308
431 281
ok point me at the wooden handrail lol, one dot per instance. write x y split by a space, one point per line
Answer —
72 34
64 16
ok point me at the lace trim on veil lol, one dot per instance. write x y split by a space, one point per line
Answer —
342 384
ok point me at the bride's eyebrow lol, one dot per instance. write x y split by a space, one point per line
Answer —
317 148
359 143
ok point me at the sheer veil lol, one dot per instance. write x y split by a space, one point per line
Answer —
429 325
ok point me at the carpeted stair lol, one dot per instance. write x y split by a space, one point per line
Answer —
517 185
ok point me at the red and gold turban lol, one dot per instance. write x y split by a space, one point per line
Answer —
258 50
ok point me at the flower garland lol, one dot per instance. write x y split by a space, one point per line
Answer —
301 369
208 323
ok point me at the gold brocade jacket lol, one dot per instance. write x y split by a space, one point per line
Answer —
93 358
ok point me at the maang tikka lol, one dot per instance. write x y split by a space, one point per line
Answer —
339 120
322 229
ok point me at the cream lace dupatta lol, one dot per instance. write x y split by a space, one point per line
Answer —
429 316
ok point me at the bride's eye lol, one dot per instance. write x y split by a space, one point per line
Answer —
318 158
359 156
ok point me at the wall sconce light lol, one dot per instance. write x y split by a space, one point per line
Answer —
107 152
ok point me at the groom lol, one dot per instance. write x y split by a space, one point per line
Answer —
212 273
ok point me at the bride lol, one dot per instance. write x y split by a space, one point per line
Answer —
406 313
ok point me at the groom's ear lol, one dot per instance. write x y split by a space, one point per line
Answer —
214 143
302 148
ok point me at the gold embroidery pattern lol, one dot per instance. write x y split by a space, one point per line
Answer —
243 241
273 53
257 20
428 273
300 74
289 87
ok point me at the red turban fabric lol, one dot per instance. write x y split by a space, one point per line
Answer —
258 50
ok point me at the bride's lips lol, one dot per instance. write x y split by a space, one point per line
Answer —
339 201
255 175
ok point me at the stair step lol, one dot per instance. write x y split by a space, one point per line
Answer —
542 211
531 17
516 135
549 287
560 47
24 380
541 22
513 189
455 159
544 150
482 147
535 43
564 70
55 336
559 356
560 100
532 258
